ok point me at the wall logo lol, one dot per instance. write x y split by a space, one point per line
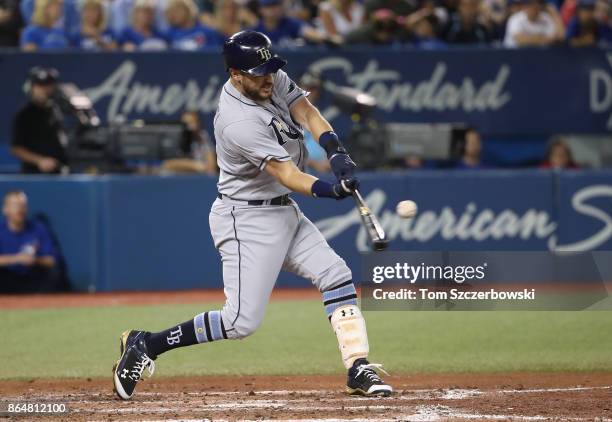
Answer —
128 96
600 99
478 224
438 93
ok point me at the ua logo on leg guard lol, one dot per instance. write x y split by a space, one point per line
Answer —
347 311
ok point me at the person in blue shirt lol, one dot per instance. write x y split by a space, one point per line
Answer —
185 32
142 35
94 34
425 32
69 21
43 33
584 30
284 30
28 256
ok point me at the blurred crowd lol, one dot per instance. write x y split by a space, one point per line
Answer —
153 25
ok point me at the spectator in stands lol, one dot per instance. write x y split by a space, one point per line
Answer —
538 24
584 30
428 7
559 155
465 26
121 15
413 162
69 20
603 12
424 29
142 35
94 34
28 256
186 32
42 33
495 11
10 23
38 139
305 10
284 30
339 17
400 8
198 149
228 18
472 148
383 29
568 11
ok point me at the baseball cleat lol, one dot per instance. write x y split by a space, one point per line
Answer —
133 361
363 379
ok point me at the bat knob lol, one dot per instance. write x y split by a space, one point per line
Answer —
381 244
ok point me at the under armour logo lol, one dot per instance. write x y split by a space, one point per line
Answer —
124 373
175 336
264 53
350 313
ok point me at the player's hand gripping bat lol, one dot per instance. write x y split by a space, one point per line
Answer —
375 232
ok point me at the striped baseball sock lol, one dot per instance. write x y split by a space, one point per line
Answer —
341 295
207 326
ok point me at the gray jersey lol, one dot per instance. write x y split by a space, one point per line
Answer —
250 134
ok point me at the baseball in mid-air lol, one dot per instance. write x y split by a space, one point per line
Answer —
406 209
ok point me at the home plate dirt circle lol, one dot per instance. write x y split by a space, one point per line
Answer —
520 397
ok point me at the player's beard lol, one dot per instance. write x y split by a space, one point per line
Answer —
255 93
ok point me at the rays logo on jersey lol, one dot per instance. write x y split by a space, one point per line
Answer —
283 132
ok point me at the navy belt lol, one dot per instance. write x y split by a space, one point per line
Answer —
279 200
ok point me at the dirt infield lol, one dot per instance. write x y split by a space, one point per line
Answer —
522 397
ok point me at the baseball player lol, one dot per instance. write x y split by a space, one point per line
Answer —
257 228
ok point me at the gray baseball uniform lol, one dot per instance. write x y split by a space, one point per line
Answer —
257 241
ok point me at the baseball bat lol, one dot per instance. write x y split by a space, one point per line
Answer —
375 232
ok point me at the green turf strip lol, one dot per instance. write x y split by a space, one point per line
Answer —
295 338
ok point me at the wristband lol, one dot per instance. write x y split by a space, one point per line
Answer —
322 189
331 144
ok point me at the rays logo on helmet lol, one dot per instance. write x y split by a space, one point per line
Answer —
264 53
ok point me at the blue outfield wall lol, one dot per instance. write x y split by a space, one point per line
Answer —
525 93
135 233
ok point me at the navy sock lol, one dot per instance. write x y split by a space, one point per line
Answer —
178 336
204 327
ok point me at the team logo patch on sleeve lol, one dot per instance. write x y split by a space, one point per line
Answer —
291 88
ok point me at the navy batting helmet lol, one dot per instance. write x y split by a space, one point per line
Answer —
250 52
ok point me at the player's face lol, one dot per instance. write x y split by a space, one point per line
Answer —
258 88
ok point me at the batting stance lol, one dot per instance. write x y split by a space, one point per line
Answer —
257 228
